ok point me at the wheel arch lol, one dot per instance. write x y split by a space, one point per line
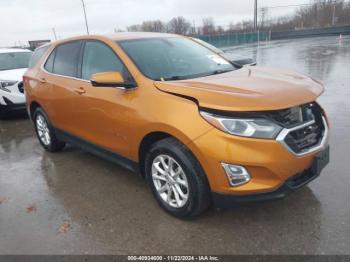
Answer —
153 134
33 106
147 141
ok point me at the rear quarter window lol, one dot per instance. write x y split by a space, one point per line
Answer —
38 53
49 62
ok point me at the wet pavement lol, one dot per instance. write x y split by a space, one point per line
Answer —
75 203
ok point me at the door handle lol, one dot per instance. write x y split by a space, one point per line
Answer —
42 80
79 90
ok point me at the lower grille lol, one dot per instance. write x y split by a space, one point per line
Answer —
300 179
20 87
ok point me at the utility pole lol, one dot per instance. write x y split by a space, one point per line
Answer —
86 23
255 15
333 14
194 27
263 17
54 33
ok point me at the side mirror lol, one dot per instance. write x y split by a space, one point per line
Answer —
110 79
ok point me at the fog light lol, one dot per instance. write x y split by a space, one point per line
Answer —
237 175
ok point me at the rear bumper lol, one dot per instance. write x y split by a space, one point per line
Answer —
292 184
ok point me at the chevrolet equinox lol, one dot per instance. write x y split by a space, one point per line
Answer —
198 129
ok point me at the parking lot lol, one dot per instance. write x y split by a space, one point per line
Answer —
75 203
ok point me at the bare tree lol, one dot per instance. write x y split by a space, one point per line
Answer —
321 13
179 25
220 30
247 25
208 27
153 26
134 28
264 14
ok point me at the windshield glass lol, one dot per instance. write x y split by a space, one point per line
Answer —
206 44
14 60
174 58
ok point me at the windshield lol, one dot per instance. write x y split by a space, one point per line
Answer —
206 44
14 60
174 58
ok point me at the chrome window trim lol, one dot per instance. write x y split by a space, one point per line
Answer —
282 135
74 78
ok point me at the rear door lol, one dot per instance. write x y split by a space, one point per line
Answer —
62 77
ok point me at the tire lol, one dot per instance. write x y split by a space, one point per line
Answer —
185 169
2 112
46 133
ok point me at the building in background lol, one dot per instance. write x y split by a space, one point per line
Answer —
36 43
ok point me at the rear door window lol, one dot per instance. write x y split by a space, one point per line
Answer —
67 59
49 62
38 53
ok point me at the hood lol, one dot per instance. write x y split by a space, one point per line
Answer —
13 74
247 89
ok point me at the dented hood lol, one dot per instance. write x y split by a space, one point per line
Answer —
247 89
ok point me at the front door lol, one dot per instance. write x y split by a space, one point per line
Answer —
102 113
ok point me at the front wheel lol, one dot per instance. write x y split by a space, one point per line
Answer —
45 132
177 179
2 112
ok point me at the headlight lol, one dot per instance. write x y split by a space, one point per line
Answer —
258 128
4 84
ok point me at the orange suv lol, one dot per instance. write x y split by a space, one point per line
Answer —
199 129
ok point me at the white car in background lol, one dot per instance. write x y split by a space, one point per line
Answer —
13 64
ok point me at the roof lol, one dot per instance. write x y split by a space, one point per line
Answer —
117 36
13 50
138 35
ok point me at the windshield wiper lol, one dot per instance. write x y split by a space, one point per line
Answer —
171 78
174 78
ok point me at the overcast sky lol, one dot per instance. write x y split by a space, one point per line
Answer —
24 20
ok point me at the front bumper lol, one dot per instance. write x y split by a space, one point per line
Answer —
291 184
11 107
270 164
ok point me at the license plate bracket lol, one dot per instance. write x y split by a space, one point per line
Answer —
321 161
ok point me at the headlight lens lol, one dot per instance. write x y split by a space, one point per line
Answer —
258 128
4 84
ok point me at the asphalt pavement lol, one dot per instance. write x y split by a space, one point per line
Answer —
76 203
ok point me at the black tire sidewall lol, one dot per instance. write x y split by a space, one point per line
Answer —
55 144
191 172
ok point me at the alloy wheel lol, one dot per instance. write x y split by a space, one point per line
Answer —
170 181
43 130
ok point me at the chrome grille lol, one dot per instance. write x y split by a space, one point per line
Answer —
307 136
294 116
304 138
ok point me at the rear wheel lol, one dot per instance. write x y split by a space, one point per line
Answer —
176 179
45 132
